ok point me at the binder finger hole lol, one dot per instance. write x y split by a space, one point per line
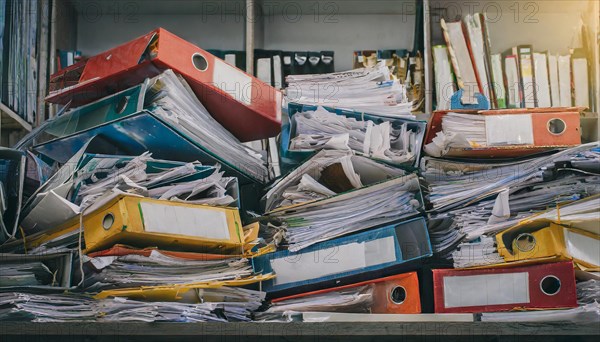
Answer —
550 285
199 62
398 295
525 242
107 221
556 126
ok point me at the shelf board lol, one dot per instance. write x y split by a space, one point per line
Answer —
378 331
94 8
11 120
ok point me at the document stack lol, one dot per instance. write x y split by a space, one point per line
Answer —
139 202
138 209
367 90
515 208
519 77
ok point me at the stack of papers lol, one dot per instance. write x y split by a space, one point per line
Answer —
328 173
218 305
132 270
367 207
46 308
126 310
458 130
368 90
588 291
477 253
182 182
170 97
321 129
509 207
589 313
357 299
454 185
483 250
70 192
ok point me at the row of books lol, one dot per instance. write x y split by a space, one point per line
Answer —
142 204
516 78
18 56
273 66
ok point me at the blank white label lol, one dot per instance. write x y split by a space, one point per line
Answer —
508 130
232 81
192 221
263 70
335 260
277 76
230 59
487 289
582 247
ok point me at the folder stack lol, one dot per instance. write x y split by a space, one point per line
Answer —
138 195
510 191
140 202
517 230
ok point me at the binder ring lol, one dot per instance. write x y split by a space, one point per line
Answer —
556 126
199 62
108 220
550 285
525 242
398 295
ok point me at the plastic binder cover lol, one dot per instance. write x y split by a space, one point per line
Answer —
569 232
555 240
292 158
142 222
129 130
54 272
398 294
246 106
545 286
166 224
12 181
358 257
515 132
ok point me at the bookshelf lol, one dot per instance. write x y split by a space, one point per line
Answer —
11 120
343 26
547 25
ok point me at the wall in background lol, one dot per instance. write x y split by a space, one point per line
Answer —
96 34
342 33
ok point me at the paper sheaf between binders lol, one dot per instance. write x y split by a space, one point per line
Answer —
246 106
142 222
291 158
121 121
398 294
189 293
542 286
552 128
357 257
60 264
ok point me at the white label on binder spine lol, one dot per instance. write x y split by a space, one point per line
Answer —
508 130
487 289
334 260
232 81
192 221
582 247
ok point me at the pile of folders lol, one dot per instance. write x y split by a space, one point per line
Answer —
140 202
